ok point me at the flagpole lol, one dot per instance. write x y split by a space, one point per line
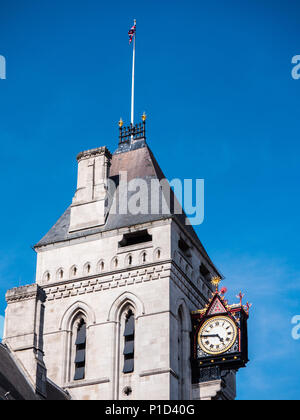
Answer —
133 77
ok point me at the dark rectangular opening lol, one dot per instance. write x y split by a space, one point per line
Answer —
135 238
184 247
204 272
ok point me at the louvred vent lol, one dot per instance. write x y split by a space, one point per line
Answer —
80 344
129 343
129 327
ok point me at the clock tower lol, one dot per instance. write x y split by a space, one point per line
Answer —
119 287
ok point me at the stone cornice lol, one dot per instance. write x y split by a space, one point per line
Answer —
100 151
108 281
159 372
112 274
84 383
125 278
32 291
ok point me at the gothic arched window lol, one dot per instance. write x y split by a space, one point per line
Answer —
60 274
100 266
114 263
87 269
129 342
129 260
80 357
47 276
73 271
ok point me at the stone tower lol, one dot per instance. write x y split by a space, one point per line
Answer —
109 317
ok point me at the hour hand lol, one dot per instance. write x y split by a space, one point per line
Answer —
211 335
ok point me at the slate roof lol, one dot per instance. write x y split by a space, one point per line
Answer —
14 385
54 393
139 162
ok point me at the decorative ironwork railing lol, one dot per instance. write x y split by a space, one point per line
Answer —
132 132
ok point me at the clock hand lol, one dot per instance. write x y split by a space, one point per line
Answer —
212 335
216 335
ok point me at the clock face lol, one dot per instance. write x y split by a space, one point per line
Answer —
217 335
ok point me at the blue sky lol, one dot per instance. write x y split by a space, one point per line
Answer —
215 80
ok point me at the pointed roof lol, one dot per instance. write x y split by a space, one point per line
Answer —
139 163
217 307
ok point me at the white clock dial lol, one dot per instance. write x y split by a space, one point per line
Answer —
217 335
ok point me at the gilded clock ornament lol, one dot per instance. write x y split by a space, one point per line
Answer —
215 281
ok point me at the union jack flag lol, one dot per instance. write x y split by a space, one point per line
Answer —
131 33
